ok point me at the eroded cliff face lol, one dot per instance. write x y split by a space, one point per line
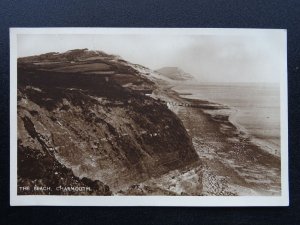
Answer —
84 119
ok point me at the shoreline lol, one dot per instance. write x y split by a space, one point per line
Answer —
232 163
216 109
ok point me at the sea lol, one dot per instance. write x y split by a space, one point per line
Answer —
254 108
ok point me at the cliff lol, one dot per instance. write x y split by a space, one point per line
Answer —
175 74
85 119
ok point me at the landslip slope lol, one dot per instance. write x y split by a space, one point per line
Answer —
85 118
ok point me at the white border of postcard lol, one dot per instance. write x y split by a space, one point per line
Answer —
50 200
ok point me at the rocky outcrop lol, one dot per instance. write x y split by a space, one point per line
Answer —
85 119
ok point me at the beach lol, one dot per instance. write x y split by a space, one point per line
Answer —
232 163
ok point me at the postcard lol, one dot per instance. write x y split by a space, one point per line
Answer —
148 117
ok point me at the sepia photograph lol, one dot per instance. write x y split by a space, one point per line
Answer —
129 116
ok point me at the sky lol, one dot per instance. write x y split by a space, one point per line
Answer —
209 58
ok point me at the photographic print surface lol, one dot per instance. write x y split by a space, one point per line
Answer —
131 116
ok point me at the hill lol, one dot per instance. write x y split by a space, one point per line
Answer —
174 73
85 119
